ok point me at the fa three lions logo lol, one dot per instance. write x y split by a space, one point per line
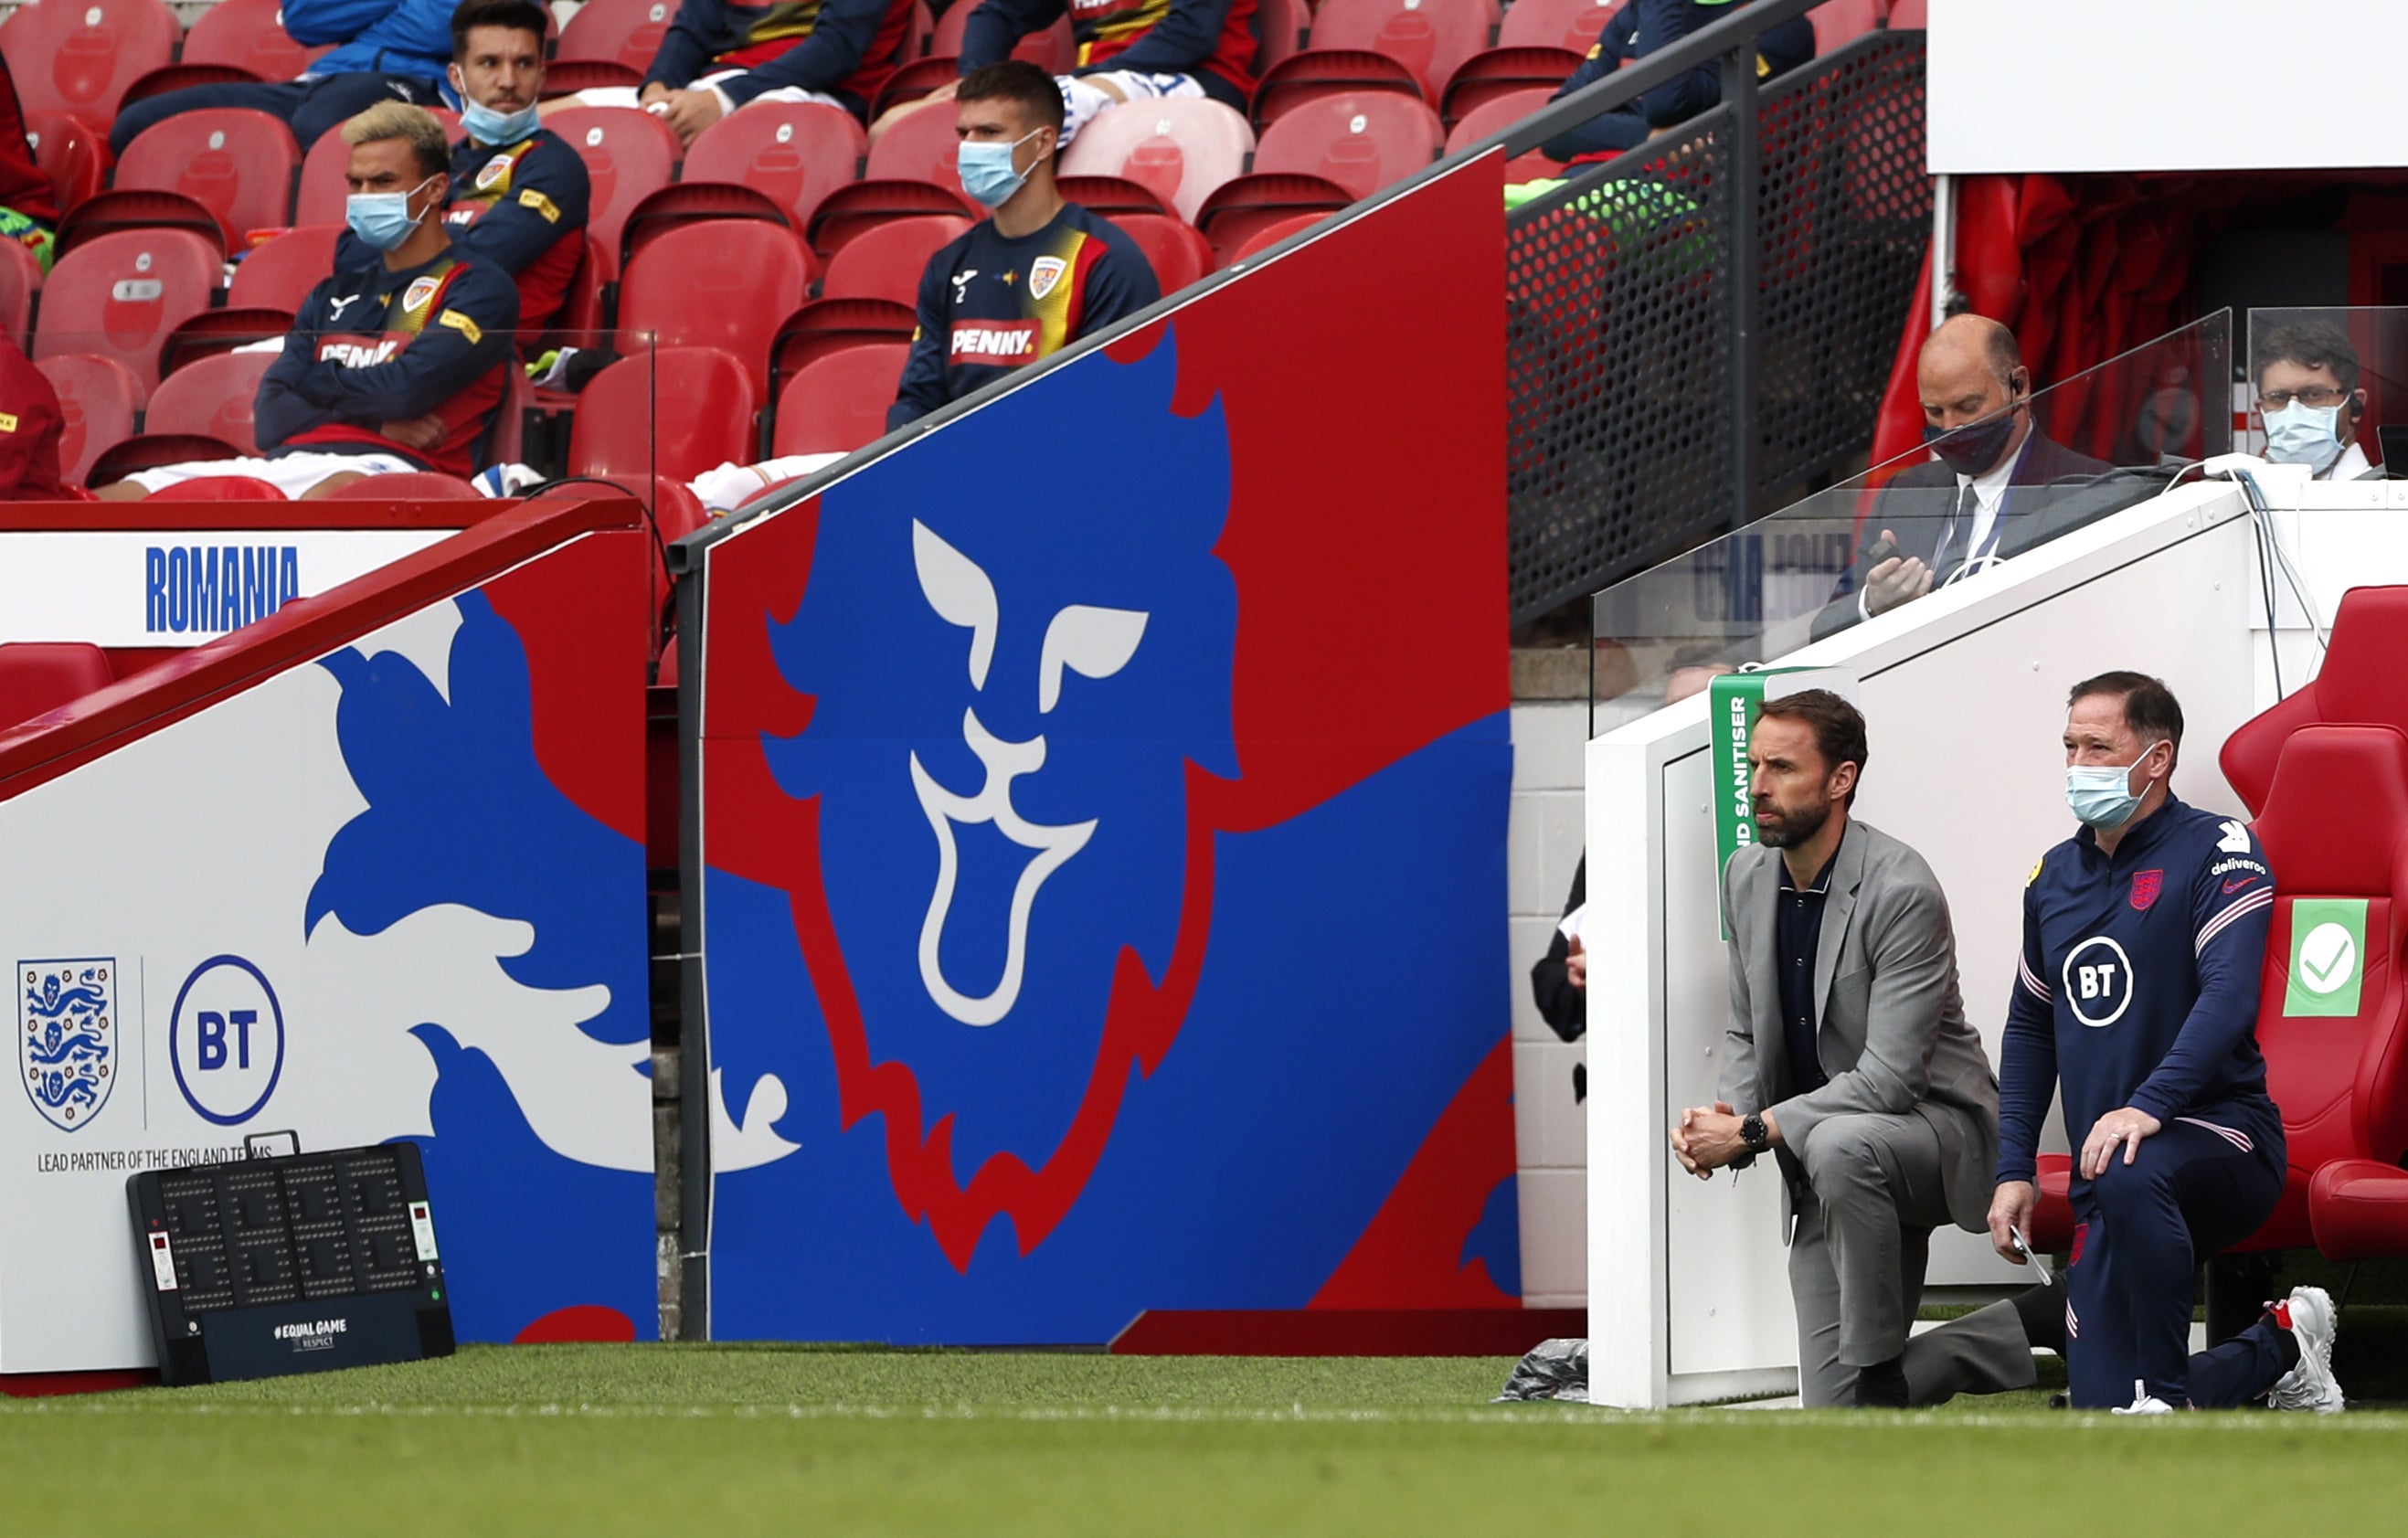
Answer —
1014 684
66 1038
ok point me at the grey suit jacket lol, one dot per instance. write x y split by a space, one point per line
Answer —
1890 1029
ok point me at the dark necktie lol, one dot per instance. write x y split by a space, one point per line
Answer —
1955 538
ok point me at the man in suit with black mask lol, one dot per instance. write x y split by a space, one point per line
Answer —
1999 487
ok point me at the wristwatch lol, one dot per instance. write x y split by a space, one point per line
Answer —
1752 1133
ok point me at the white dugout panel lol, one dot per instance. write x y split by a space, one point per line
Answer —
1964 697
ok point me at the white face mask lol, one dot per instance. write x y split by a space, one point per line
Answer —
2300 433
2102 795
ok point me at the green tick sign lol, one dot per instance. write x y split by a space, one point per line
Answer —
2327 955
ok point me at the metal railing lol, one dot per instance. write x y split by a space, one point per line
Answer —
1702 327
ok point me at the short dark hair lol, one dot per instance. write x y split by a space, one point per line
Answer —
1838 727
2314 344
517 14
2150 708
1016 81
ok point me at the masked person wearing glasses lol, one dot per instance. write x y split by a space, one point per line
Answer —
1997 488
2309 400
1037 274
395 362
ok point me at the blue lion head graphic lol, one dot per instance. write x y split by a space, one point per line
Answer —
1012 671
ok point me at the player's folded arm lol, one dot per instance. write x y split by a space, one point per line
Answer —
685 50
996 28
831 55
1179 44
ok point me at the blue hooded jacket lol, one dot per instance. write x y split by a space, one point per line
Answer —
413 37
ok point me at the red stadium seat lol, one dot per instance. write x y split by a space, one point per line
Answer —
1267 236
212 399
1280 24
865 204
249 34
235 163
922 146
319 197
1908 15
887 263
1839 23
1493 117
1429 38
1232 216
683 203
97 399
119 295
1052 51
912 82
137 208
796 154
1555 24
280 273
838 404
830 325
2360 684
39 677
715 285
1362 142
1319 72
78 56
629 155
411 486
1177 253
623 32
220 488
567 77
158 83
922 27
691 405
216 332
74 158
21 278
1112 195
2341 1081
1180 148
1502 72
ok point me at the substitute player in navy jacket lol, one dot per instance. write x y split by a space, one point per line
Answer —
1030 280
399 360
2136 996
520 193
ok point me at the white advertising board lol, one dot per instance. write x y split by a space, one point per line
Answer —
177 587
356 902
2155 85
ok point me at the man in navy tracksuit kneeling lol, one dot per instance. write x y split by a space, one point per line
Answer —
2145 936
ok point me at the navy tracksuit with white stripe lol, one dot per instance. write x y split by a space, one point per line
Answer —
2137 986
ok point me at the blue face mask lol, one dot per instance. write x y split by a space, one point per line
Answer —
2300 433
2102 795
987 173
381 219
487 126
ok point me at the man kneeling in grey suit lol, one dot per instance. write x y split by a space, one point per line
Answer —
1847 1054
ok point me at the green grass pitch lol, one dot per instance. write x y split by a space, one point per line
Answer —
711 1440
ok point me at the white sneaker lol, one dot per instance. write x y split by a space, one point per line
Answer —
2308 1314
2143 1402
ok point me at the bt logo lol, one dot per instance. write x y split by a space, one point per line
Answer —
225 1040
2098 981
